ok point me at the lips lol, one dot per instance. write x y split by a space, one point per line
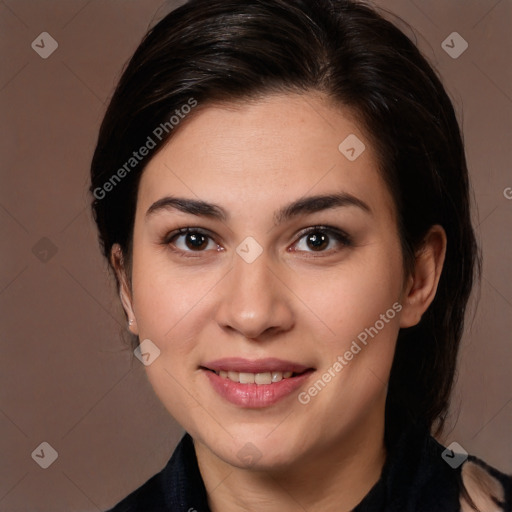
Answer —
255 384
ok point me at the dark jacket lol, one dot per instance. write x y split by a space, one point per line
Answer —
417 477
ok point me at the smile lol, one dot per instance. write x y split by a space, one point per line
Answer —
255 378
255 384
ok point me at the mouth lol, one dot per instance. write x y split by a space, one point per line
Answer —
260 378
255 384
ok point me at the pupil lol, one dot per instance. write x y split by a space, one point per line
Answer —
317 241
195 241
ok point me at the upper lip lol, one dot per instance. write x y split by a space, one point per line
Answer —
269 364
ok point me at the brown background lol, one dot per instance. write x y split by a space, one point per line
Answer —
66 377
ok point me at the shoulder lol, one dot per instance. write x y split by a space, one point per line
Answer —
148 497
420 474
484 488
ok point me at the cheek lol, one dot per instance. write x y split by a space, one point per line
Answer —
164 308
360 303
172 308
361 308
166 299
352 297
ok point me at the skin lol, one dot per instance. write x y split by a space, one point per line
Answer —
292 302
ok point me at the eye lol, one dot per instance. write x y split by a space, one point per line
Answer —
322 239
191 240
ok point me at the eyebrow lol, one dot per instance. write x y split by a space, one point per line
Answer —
302 206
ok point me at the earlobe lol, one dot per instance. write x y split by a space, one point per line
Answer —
422 284
117 260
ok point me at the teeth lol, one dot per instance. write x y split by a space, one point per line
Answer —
255 378
247 378
263 378
277 376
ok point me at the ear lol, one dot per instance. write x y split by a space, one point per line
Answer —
421 285
125 294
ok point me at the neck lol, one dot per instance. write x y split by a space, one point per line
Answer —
335 478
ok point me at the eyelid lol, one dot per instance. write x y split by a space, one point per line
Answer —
342 241
188 229
169 237
325 228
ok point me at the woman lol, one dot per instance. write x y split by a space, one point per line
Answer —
280 187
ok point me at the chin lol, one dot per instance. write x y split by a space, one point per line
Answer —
261 449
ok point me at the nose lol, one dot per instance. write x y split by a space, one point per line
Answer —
254 301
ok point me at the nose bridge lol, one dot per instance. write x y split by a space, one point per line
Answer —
253 281
253 300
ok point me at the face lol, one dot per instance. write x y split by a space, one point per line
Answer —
267 269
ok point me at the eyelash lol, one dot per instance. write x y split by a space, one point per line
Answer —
337 234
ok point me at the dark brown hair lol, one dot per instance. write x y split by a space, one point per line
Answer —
227 50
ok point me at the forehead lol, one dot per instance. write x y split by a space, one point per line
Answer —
260 153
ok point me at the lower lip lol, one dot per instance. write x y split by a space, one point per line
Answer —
255 395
